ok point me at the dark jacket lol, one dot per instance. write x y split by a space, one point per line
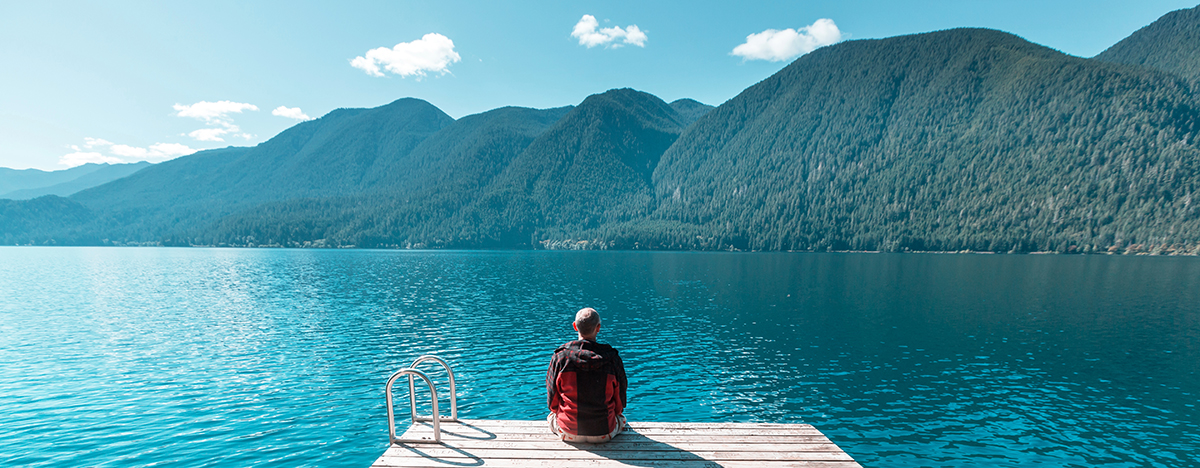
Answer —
585 387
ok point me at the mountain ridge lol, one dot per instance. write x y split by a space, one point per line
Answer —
961 139
1171 44
33 183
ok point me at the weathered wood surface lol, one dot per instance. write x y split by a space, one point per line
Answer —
513 444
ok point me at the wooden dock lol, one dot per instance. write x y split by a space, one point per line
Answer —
517 444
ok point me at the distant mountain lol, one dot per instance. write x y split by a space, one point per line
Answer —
960 139
690 110
347 152
32 183
1172 43
21 179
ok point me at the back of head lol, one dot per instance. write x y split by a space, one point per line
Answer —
586 321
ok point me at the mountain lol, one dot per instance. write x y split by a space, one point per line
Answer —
21 179
590 168
347 152
961 139
466 155
32 183
500 179
690 110
48 220
445 172
1172 43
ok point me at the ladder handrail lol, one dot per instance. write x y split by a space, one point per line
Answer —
413 394
410 372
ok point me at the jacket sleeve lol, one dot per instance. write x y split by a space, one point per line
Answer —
621 379
552 383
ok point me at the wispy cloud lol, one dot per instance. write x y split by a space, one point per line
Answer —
213 112
777 46
209 134
291 113
431 53
93 149
589 33
216 114
80 158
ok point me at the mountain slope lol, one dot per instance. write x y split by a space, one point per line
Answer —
690 110
20 179
48 220
960 139
469 153
445 172
592 167
344 153
94 176
1172 44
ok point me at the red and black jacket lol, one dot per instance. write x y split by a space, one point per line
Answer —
585 387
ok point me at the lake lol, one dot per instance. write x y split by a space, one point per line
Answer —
240 357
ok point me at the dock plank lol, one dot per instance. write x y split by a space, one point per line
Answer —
506 444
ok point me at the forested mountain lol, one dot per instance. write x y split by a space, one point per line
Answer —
965 139
444 173
1172 43
501 179
48 220
690 110
960 139
20 179
345 153
32 183
592 167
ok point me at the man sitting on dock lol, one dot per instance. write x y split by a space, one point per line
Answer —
585 386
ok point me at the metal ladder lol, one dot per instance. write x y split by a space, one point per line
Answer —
437 419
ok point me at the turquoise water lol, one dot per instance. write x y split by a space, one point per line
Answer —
239 357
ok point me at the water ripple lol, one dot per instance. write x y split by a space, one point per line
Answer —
206 357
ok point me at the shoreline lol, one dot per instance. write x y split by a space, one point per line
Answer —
1134 250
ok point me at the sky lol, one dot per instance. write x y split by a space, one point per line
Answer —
121 81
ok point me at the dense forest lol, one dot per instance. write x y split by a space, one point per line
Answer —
1171 44
965 139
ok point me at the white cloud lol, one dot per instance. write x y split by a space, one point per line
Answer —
291 113
588 35
156 152
213 112
169 150
790 43
431 53
129 151
122 153
209 134
80 158
94 142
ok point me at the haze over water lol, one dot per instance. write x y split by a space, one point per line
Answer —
144 356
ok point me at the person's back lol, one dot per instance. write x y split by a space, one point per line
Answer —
586 386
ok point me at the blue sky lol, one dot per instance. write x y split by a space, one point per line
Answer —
127 81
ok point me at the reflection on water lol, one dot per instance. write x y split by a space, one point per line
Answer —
132 357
